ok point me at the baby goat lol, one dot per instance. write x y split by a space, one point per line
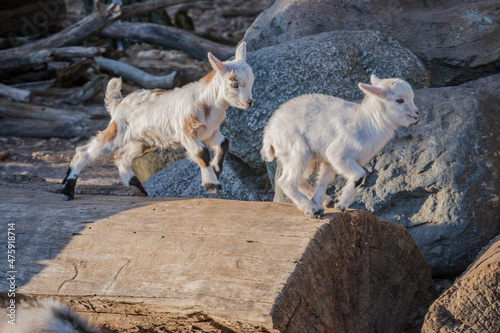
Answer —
342 136
189 116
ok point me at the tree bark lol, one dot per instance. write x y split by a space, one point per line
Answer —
195 46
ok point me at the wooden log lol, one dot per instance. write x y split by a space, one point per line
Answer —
30 60
37 86
70 73
148 6
15 94
177 39
69 36
136 75
27 111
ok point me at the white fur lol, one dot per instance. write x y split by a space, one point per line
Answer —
46 316
343 136
146 119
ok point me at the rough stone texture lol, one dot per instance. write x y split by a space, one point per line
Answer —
256 265
456 39
331 63
489 84
472 304
154 161
439 178
183 179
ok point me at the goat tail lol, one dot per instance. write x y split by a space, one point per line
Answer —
113 94
267 151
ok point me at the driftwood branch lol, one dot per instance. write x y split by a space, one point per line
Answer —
148 6
195 46
71 35
15 94
10 109
136 75
33 59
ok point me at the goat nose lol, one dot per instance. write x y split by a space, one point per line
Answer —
249 102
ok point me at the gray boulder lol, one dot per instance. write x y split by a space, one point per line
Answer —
439 178
331 63
455 38
183 179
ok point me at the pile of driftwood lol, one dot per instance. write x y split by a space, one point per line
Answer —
46 79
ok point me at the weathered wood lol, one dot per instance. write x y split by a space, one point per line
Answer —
28 111
15 94
69 36
28 61
70 73
177 39
148 6
136 75
257 263
37 86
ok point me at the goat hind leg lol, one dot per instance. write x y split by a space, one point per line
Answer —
288 182
325 177
83 156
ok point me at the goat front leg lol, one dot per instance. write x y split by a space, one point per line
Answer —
220 145
125 158
354 175
200 154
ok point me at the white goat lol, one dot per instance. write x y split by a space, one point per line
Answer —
341 135
46 316
189 116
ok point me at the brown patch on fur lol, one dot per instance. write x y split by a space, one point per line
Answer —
232 77
199 159
108 134
158 93
118 101
116 156
191 125
207 78
148 150
206 110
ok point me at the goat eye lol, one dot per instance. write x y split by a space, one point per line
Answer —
234 85
400 101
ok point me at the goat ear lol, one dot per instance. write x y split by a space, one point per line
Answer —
241 51
374 79
217 65
372 90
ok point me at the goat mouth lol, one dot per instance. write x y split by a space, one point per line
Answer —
412 117
246 107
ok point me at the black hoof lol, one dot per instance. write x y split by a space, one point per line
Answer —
318 213
330 204
67 197
68 190
213 188
134 181
340 208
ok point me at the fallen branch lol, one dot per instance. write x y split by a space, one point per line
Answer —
30 60
68 74
71 35
15 94
136 75
148 6
10 109
173 38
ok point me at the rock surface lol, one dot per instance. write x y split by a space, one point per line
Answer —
331 63
439 178
183 179
156 160
489 84
471 304
254 265
456 39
